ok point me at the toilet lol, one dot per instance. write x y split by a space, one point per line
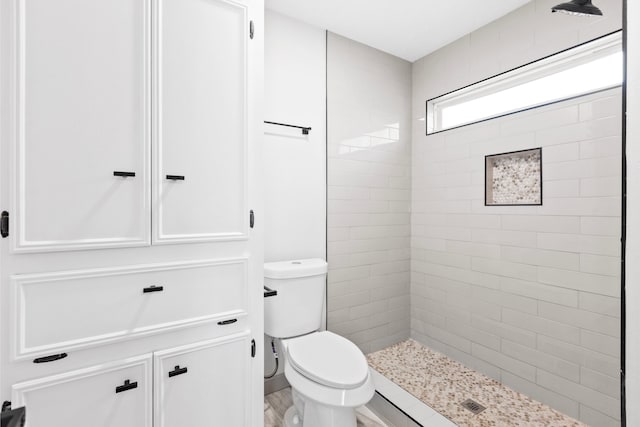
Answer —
329 375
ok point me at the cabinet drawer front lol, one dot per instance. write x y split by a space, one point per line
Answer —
114 394
206 383
71 310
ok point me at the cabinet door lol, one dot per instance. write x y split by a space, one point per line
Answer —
200 143
80 112
203 385
112 395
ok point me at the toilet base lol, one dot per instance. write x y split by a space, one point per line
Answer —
320 416
291 418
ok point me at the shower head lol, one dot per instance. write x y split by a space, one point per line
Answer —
578 8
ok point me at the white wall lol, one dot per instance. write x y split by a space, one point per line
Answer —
369 109
527 295
633 222
294 164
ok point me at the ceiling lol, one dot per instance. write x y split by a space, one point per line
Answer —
409 29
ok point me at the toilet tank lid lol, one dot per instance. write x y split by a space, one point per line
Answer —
295 268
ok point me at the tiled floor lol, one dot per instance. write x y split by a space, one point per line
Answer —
275 405
442 384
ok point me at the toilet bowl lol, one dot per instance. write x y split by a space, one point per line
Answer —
328 374
329 377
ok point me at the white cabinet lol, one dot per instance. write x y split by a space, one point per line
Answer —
125 125
93 84
204 384
197 385
111 395
200 141
80 111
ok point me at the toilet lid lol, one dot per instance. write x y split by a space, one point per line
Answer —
328 359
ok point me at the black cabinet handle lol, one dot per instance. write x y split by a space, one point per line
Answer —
52 358
153 288
177 371
252 219
123 174
176 177
227 322
268 292
128 385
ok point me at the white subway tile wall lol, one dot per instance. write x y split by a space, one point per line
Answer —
528 295
369 191
531 292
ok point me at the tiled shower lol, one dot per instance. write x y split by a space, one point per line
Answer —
369 193
528 295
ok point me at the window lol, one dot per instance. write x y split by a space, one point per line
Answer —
588 68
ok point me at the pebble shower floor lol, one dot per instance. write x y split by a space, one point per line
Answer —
444 384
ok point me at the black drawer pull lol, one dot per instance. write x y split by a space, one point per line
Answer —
51 358
268 292
177 371
128 385
227 322
123 174
176 177
153 288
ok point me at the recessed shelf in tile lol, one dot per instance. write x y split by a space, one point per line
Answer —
514 178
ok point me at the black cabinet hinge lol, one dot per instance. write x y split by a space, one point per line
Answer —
251 30
4 224
253 348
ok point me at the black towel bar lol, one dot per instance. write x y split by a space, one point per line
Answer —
305 129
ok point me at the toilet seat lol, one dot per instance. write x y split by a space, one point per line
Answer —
328 359
312 389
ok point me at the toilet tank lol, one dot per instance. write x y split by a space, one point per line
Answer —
297 308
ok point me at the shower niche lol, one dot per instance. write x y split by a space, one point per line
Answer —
514 178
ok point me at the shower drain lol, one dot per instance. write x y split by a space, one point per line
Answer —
473 406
